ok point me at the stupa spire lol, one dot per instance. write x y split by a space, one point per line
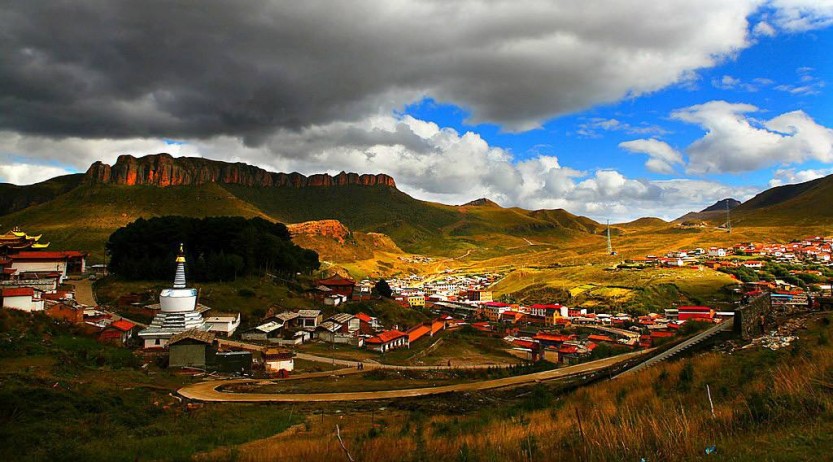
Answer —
179 278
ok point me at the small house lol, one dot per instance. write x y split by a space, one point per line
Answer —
278 359
118 332
223 324
192 348
388 340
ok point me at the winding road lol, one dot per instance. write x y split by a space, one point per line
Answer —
210 390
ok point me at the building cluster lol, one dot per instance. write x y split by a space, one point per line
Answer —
30 275
537 338
417 292
815 250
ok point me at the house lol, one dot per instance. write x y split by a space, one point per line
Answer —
348 322
276 360
479 295
65 262
309 319
416 301
368 323
191 348
269 331
493 310
387 340
223 324
549 312
340 328
118 332
22 298
338 285
335 299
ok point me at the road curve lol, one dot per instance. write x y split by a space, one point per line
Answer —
208 391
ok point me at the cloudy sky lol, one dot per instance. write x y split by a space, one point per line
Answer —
612 109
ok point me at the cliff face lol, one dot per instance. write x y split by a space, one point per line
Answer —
165 170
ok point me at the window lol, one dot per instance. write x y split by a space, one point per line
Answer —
158 341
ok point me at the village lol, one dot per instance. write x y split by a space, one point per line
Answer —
193 336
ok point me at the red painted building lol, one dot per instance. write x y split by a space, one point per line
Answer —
338 285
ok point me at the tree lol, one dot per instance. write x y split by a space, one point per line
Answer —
383 288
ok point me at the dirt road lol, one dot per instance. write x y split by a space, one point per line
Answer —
208 391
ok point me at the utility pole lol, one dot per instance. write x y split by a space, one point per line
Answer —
609 245
728 218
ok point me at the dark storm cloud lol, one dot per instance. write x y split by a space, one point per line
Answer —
98 69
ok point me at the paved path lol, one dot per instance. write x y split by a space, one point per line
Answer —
208 391
84 291
370 364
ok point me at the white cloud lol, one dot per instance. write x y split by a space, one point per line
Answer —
22 173
763 28
802 15
427 161
784 176
663 157
735 142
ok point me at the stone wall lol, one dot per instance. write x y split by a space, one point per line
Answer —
753 319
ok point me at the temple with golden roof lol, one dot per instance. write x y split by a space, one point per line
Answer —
17 240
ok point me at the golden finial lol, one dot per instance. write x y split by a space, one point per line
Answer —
181 257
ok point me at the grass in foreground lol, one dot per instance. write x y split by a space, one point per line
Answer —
767 406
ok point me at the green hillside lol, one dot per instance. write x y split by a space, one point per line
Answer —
86 216
14 198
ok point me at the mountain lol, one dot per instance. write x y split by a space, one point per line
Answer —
83 212
482 202
803 204
165 170
722 205
14 198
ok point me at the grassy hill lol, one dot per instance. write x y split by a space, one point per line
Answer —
14 198
86 216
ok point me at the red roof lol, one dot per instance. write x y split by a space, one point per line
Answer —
122 325
19 292
568 349
695 309
497 304
336 281
418 332
539 306
363 317
386 336
9 270
551 337
523 343
34 255
600 338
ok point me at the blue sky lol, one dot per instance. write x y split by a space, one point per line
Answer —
761 75
607 108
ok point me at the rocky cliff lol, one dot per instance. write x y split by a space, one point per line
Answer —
165 170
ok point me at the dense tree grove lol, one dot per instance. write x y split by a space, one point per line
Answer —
216 248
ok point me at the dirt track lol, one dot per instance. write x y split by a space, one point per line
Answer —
208 391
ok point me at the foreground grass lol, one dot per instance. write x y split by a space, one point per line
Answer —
63 396
767 406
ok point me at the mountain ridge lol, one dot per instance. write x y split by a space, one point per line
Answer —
164 170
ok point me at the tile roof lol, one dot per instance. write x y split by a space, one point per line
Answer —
386 336
122 325
363 317
18 292
193 334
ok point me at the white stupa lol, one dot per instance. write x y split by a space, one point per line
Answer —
178 310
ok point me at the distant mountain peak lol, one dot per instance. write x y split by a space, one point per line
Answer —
165 170
721 205
482 202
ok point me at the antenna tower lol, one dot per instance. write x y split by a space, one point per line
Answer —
609 245
728 218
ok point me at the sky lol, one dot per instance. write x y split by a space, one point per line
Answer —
611 109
